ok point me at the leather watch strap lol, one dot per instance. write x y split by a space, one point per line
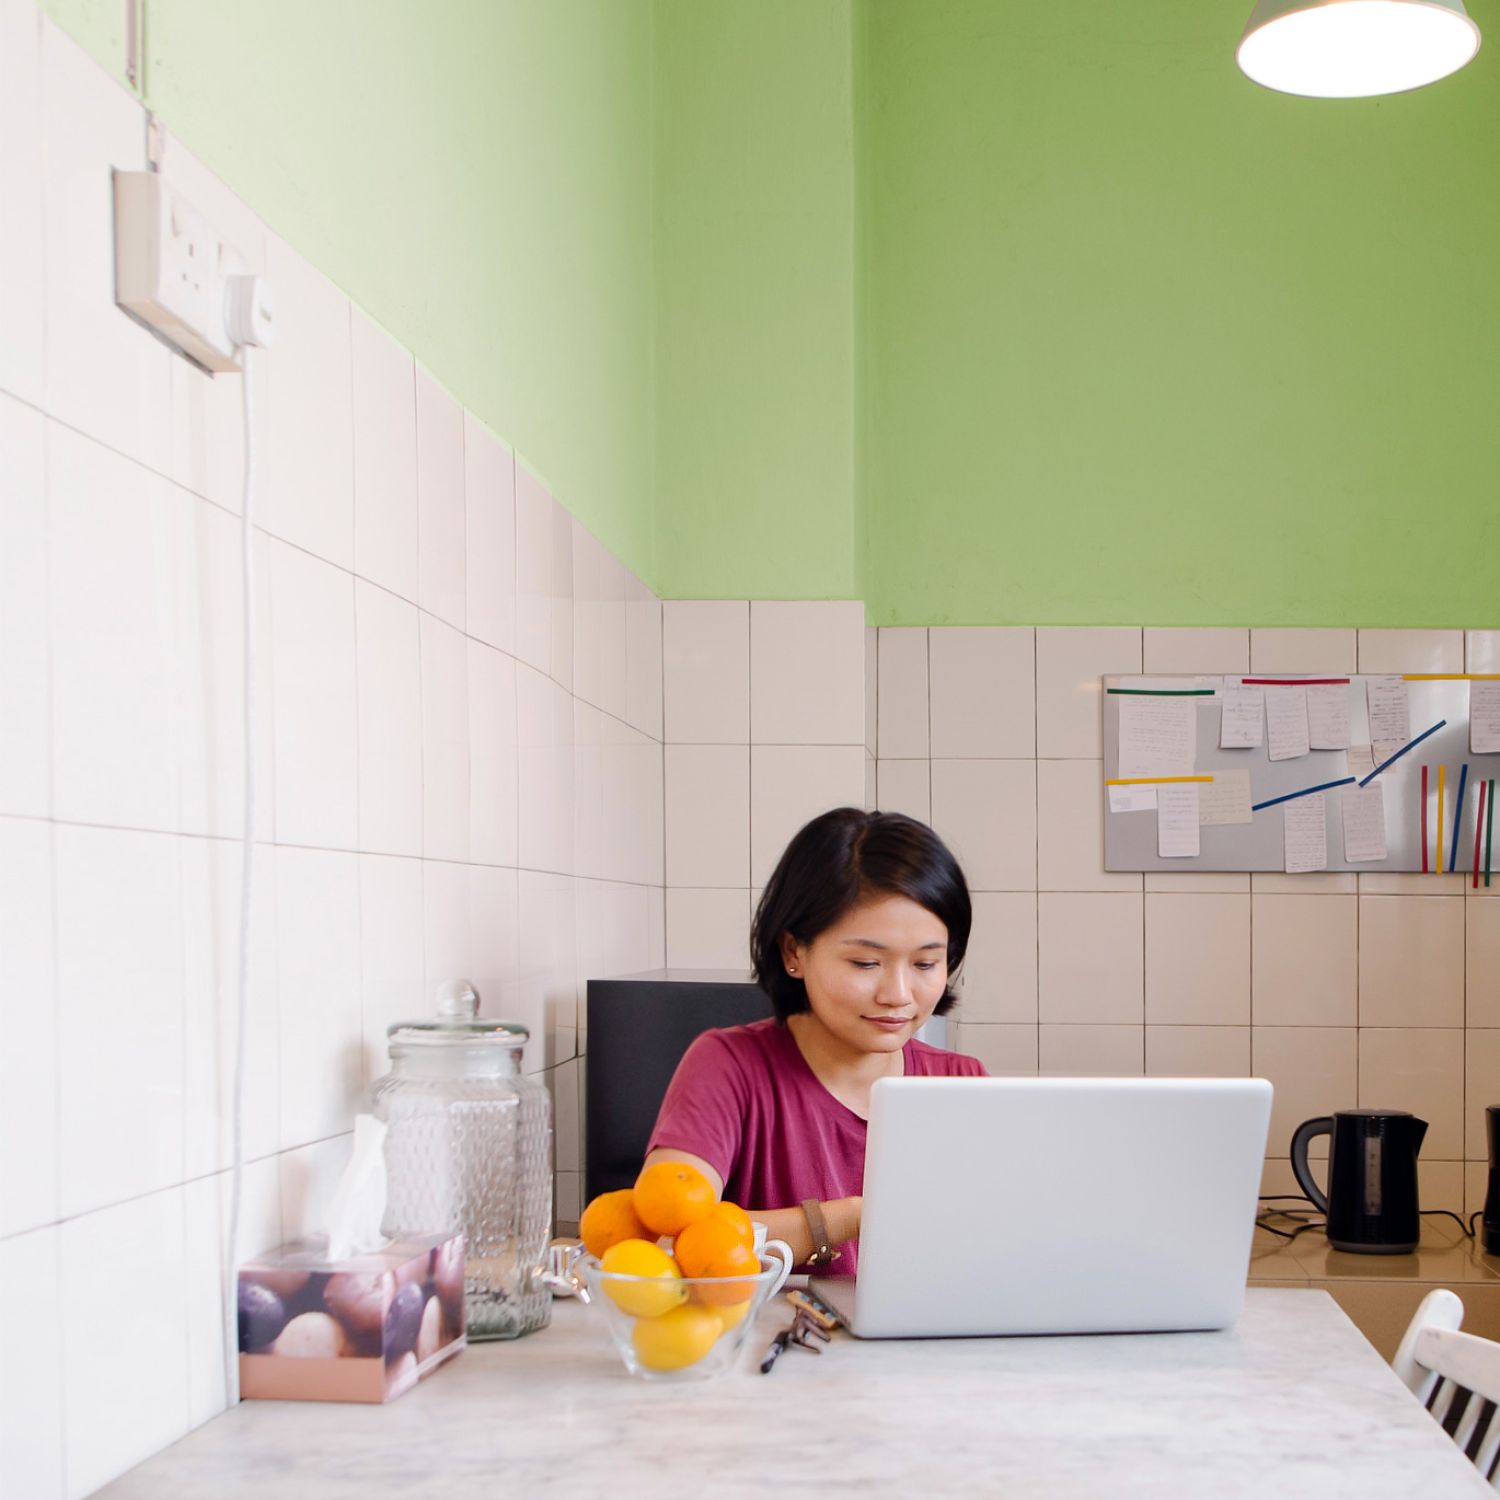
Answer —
823 1254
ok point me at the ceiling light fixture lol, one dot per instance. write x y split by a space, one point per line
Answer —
1351 49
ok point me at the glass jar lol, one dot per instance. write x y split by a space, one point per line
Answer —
468 1146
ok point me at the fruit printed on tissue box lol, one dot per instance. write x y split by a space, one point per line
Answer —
362 1329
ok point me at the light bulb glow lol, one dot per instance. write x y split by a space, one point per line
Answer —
1348 49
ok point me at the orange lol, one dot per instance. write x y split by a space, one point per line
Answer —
610 1218
670 1195
732 1213
701 1247
654 1284
728 1272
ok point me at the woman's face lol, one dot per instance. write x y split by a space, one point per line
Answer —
874 977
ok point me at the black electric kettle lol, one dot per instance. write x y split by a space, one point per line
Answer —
1371 1203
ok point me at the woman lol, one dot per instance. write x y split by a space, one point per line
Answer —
860 930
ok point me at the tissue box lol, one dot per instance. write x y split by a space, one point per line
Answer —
362 1329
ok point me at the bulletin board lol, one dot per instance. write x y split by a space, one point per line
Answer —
1438 736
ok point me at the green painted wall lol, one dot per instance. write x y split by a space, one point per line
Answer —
1145 342
476 174
986 311
755 299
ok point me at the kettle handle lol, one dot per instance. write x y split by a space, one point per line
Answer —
1307 1132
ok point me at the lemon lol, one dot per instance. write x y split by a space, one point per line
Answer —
732 1315
647 1298
678 1338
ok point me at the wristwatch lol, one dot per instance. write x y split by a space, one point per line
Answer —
823 1253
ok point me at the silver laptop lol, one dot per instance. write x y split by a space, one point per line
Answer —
1055 1205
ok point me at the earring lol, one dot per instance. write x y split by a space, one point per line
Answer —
792 971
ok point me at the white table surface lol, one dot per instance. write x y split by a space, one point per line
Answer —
1291 1402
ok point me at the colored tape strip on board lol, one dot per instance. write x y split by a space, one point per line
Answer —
1306 791
1422 810
1295 681
1478 834
1154 780
1450 677
1437 833
1411 745
1489 832
1164 692
1458 814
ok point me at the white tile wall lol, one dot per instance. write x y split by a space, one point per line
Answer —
706 671
441 569
490 536
316 716
31 1370
420 810
983 693
901 694
807 673
309 496
22 245
385 460
389 664
25 739
28 1019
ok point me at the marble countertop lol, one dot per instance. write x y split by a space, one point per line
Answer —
1290 1402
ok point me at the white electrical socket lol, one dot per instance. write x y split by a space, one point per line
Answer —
173 271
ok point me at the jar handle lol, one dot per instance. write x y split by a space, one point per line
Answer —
457 1000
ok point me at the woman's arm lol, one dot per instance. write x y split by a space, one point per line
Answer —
789 1224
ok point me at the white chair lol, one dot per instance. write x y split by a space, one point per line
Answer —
1456 1376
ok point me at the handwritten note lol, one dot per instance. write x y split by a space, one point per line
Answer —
1158 736
1306 834
1286 723
1225 799
1361 761
1132 799
1177 820
1364 822
1484 717
1328 715
1242 725
1390 714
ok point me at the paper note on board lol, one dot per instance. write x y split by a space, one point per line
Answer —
1361 761
1328 715
1390 715
1286 723
1306 834
1364 822
1158 736
1484 717
1132 798
1225 799
1242 724
1177 820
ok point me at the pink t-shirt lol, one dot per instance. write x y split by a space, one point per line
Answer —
744 1099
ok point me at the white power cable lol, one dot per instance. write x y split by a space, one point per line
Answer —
247 891
248 318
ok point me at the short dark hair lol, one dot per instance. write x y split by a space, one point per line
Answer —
838 860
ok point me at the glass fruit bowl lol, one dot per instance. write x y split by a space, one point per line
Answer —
683 1328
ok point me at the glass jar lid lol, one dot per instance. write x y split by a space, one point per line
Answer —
458 1023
